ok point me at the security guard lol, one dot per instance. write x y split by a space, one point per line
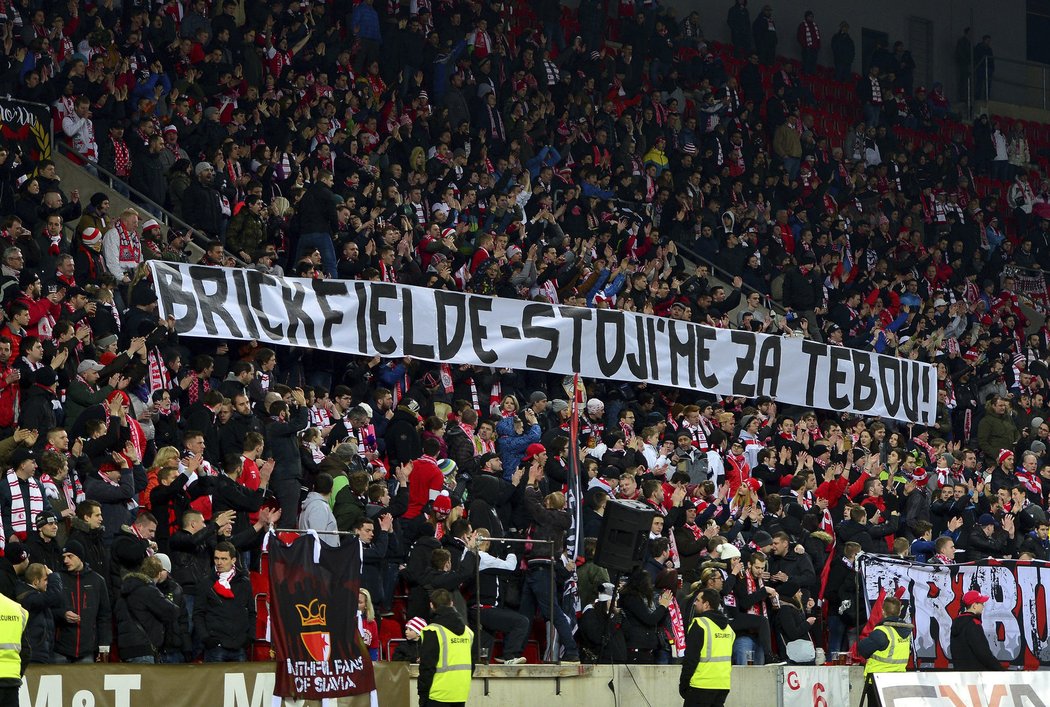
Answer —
446 656
887 648
14 650
707 665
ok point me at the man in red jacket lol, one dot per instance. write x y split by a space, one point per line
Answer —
426 480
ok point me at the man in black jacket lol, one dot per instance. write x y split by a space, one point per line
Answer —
42 545
201 202
84 628
224 611
282 445
131 545
970 649
318 221
550 521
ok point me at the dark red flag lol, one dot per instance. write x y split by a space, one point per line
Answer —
313 609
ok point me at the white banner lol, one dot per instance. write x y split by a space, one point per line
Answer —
374 318
947 689
815 686
1015 619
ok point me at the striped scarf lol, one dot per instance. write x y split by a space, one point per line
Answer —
753 585
20 515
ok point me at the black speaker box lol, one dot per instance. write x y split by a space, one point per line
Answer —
624 536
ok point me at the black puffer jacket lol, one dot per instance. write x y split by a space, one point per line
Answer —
40 629
221 621
143 615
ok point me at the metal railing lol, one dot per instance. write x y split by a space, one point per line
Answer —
554 606
727 277
1023 83
137 197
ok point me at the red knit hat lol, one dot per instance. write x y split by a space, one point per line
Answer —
1004 454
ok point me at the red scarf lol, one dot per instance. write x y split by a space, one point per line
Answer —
121 158
753 585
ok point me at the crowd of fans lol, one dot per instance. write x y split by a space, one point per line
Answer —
461 145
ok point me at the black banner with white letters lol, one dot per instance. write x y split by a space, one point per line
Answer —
375 318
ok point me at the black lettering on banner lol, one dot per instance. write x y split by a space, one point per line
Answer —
705 335
170 282
925 393
256 280
478 333
636 360
377 317
838 377
361 295
745 363
241 284
529 314
768 366
865 388
214 304
814 351
651 326
609 365
448 346
578 315
682 348
410 347
323 289
890 377
910 389
294 297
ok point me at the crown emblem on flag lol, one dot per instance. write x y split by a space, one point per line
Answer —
312 614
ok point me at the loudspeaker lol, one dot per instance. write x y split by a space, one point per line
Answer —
624 536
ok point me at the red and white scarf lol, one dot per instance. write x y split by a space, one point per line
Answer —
137 534
20 517
223 586
677 629
753 585
132 503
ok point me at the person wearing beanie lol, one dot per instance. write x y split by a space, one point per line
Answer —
96 214
84 630
88 263
42 543
38 402
22 496
408 650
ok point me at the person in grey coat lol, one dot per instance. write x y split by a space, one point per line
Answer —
317 513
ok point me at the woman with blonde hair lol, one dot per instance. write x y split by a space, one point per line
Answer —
366 622
165 458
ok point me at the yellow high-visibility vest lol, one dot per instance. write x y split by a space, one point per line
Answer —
715 665
452 676
893 658
13 619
